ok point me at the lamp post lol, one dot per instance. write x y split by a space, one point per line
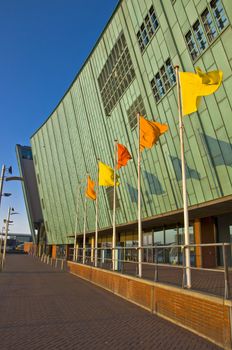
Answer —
7 222
1 239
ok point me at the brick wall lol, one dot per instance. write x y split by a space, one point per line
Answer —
205 315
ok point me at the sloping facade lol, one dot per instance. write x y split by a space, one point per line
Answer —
131 70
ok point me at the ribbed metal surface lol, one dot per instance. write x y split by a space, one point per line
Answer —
78 132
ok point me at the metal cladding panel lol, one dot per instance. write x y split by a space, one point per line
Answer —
79 131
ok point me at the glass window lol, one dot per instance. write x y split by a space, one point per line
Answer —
159 85
116 74
164 78
200 36
170 72
158 237
154 20
219 14
149 26
155 90
144 35
26 153
192 46
140 41
209 26
136 107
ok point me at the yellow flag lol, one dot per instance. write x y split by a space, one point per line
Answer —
106 175
193 86
150 132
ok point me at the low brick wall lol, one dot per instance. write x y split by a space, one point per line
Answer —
205 315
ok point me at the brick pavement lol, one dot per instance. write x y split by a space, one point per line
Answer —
44 308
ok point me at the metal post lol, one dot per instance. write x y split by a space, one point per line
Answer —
1 182
184 185
115 263
139 204
226 273
76 223
84 228
156 265
96 218
6 234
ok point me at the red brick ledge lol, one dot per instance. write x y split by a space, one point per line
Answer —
205 315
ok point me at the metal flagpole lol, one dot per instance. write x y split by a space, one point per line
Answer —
114 207
96 217
184 187
139 204
76 223
84 228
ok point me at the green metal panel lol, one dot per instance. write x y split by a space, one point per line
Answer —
78 131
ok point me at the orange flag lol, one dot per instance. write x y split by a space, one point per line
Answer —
150 133
123 156
90 193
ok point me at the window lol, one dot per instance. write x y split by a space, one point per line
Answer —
209 26
116 75
147 29
219 14
144 35
170 72
26 153
110 197
200 36
154 20
213 20
159 85
136 107
163 80
192 46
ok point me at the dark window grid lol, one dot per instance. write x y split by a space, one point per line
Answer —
144 35
136 107
209 25
155 90
110 198
164 78
153 18
140 41
170 72
219 14
200 36
192 45
149 26
159 85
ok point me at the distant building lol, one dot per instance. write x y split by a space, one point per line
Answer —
30 190
130 70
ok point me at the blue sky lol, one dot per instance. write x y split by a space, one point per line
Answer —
43 45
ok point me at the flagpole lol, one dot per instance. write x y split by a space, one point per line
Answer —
76 223
139 204
184 186
96 217
85 217
114 208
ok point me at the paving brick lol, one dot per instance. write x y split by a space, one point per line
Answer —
44 308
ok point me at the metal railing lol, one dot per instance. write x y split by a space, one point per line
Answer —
54 262
166 264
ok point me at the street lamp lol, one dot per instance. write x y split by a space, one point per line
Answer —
8 178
